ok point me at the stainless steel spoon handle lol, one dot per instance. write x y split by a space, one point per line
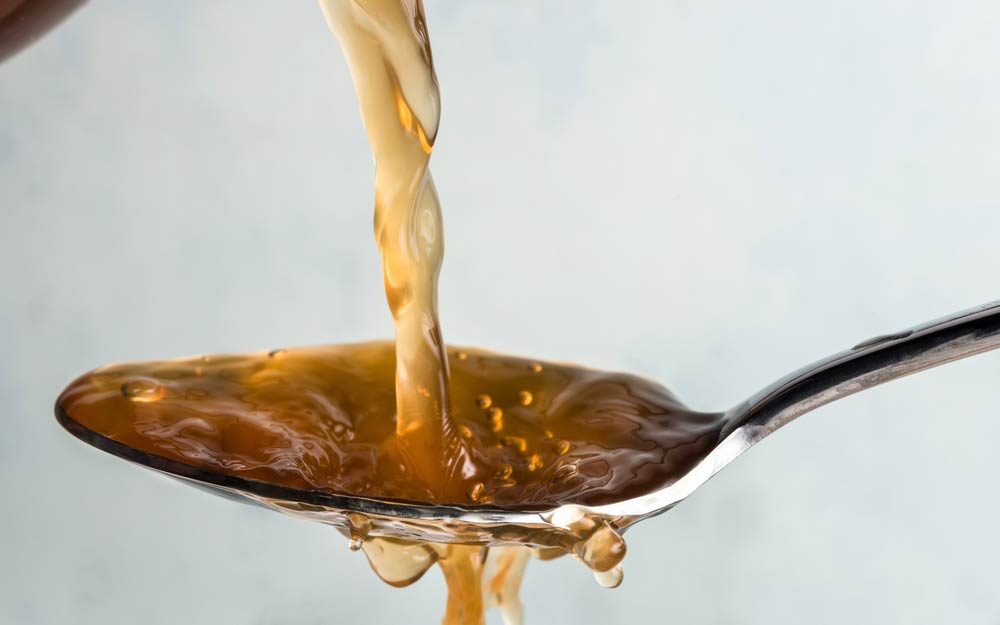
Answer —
867 364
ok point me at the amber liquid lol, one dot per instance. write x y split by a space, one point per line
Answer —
408 421
322 418
389 54
538 435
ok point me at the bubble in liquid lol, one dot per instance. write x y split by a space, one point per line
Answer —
462 355
143 390
464 431
535 462
342 432
484 401
562 448
525 398
517 442
496 418
504 472
537 368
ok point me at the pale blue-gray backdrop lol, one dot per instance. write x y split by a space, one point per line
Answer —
709 193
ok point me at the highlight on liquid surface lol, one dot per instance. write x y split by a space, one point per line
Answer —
538 434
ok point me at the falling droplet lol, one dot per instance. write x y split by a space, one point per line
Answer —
525 398
398 563
484 401
612 578
602 550
143 390
358 525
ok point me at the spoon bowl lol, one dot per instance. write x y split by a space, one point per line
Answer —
867 364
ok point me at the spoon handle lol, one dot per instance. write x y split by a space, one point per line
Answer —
867 364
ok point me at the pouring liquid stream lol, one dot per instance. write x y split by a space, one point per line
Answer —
411 425
388 51
410 421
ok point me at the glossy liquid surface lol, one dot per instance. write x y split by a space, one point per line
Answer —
538 434
388 421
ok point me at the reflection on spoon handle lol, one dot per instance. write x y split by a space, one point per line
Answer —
23 22
867 364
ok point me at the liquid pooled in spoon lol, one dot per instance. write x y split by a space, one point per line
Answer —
537 434
409 421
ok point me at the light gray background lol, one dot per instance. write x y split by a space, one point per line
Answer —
710 193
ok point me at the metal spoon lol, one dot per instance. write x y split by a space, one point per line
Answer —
867 364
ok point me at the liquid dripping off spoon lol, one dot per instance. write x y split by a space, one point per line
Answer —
320 419
263 429
302 429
